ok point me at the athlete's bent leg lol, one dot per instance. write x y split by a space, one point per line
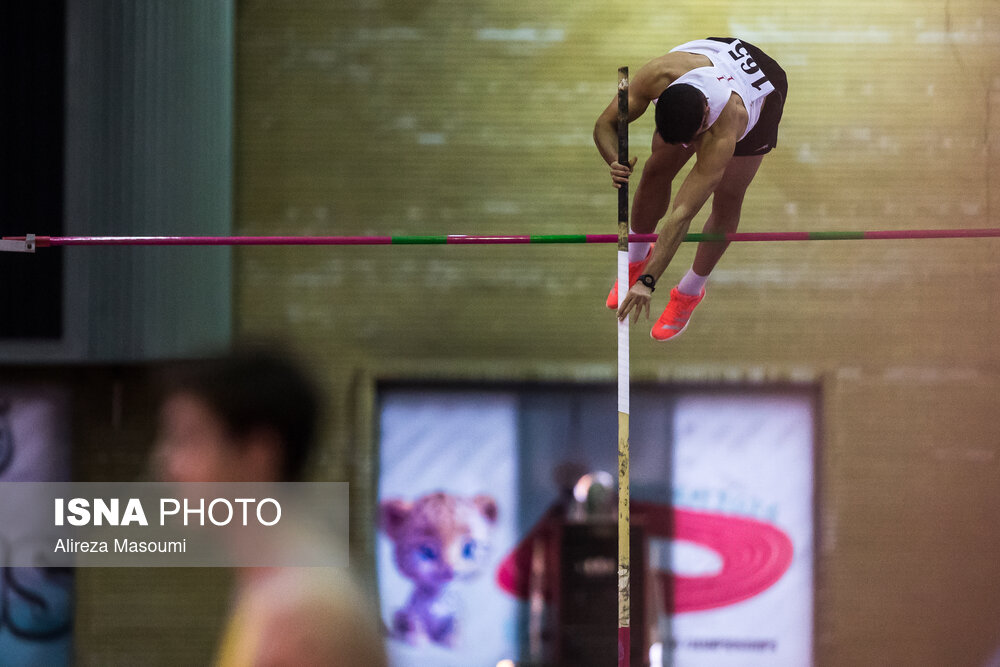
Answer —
652 198
652 195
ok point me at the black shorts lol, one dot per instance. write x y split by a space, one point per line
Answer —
764 135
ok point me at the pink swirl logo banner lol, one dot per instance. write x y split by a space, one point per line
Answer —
755 555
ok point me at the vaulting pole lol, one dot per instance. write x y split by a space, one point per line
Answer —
624 594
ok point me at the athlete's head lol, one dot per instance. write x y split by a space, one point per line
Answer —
246 416
680 112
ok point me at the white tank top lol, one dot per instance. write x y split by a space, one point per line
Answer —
733 70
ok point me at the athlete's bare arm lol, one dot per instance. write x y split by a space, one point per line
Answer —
712 158
647 84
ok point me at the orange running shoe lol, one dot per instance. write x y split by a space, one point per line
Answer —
675 317
635 270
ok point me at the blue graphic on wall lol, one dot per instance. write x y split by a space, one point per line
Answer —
36 604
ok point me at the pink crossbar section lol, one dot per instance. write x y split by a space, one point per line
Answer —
935 234
214 240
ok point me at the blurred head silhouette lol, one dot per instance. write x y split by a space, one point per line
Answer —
248 416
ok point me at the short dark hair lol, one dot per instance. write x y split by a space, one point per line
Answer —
679 113
255 388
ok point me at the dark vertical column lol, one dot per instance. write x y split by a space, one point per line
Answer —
32 57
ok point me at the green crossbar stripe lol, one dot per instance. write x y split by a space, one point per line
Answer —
420 240
836 236
558 238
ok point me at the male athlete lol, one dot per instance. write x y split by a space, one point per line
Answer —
720 99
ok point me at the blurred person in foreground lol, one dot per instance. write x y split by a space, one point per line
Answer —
251 417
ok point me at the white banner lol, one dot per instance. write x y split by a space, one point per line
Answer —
743 559
442 531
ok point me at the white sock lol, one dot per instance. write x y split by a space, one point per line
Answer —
692 284
637 250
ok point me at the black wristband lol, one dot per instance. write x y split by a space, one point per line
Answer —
647 280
